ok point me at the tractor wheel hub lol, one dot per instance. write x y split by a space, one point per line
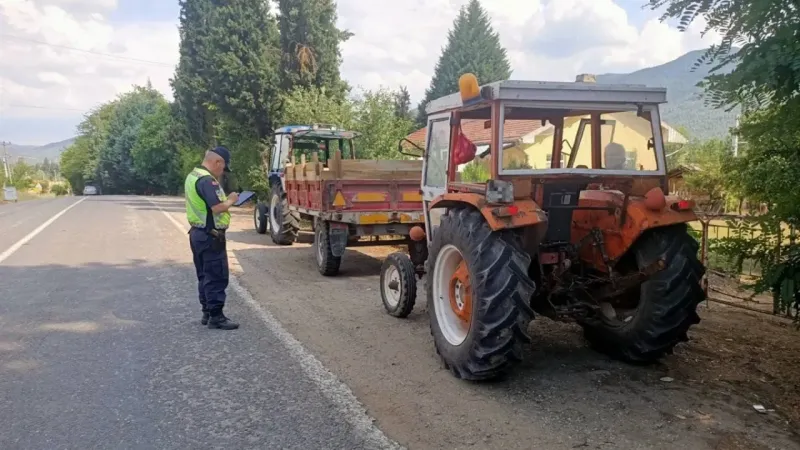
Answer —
461 293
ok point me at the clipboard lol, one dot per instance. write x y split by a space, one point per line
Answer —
244 197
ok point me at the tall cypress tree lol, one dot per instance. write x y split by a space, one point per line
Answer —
472 46
310 45
243 60
190 88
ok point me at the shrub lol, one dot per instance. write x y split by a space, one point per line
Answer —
59 189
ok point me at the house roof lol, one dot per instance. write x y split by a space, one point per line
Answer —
475 131
512 130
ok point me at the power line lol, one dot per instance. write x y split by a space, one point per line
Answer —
40 107
124 58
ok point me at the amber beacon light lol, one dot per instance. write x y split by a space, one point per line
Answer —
469 88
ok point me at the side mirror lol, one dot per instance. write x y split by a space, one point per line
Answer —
403 151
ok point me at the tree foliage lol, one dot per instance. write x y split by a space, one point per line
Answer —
759 38
155 155
708 172
309 45
125 146
74 162
472 46
22 175
372 114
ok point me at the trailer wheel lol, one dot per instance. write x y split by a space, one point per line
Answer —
283 222
260 220
479 296
664 308
327 263
398 285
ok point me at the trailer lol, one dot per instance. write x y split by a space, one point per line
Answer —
314 177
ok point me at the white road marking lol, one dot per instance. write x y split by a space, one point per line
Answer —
11 250
330 386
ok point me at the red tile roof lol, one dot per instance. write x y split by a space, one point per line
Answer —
475 131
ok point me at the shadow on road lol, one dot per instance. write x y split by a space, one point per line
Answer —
99 355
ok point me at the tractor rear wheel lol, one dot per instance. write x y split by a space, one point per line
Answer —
283 222
478 296
667 303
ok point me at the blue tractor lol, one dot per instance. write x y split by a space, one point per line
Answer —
274 216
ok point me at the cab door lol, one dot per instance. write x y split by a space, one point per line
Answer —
434 169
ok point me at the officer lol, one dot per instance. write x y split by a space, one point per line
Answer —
207 208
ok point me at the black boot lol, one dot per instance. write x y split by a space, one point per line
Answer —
204 320
220 322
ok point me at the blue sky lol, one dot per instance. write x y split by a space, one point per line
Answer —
545 39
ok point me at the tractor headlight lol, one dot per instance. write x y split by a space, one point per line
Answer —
499 191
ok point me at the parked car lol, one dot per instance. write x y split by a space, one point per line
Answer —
90 190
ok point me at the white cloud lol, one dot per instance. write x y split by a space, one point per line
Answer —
49 78
545 39
395 43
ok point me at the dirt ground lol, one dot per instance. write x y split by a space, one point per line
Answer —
563 396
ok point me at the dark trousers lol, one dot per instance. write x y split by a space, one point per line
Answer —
211 265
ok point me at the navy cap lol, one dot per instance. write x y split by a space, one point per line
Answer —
226 155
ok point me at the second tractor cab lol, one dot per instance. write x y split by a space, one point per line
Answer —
570 221
314 176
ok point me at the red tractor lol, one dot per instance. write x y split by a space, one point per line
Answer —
570 220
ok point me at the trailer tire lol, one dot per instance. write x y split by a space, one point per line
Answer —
260 219
327 263
667 305
284 223
496 329
398 271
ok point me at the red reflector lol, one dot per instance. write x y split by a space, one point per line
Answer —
513 210
684 204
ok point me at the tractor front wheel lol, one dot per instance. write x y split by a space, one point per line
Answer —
260 220
398 285
667 301
478 296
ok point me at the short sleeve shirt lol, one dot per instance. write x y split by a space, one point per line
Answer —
207 189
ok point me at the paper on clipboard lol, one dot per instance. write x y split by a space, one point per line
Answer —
244 197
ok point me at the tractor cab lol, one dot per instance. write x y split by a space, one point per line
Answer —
294 141
557 153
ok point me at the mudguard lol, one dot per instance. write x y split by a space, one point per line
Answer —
520 213
337 235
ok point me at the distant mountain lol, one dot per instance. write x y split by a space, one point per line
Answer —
685 107
37 153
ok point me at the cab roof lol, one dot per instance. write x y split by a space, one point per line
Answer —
316 131
550 92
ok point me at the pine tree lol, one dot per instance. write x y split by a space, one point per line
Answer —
309 41
472 46
402 103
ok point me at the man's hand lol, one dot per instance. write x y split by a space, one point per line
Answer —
226 205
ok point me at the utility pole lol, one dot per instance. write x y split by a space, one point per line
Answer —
736 138
5 160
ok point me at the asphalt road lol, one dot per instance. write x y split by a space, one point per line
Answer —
101 346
